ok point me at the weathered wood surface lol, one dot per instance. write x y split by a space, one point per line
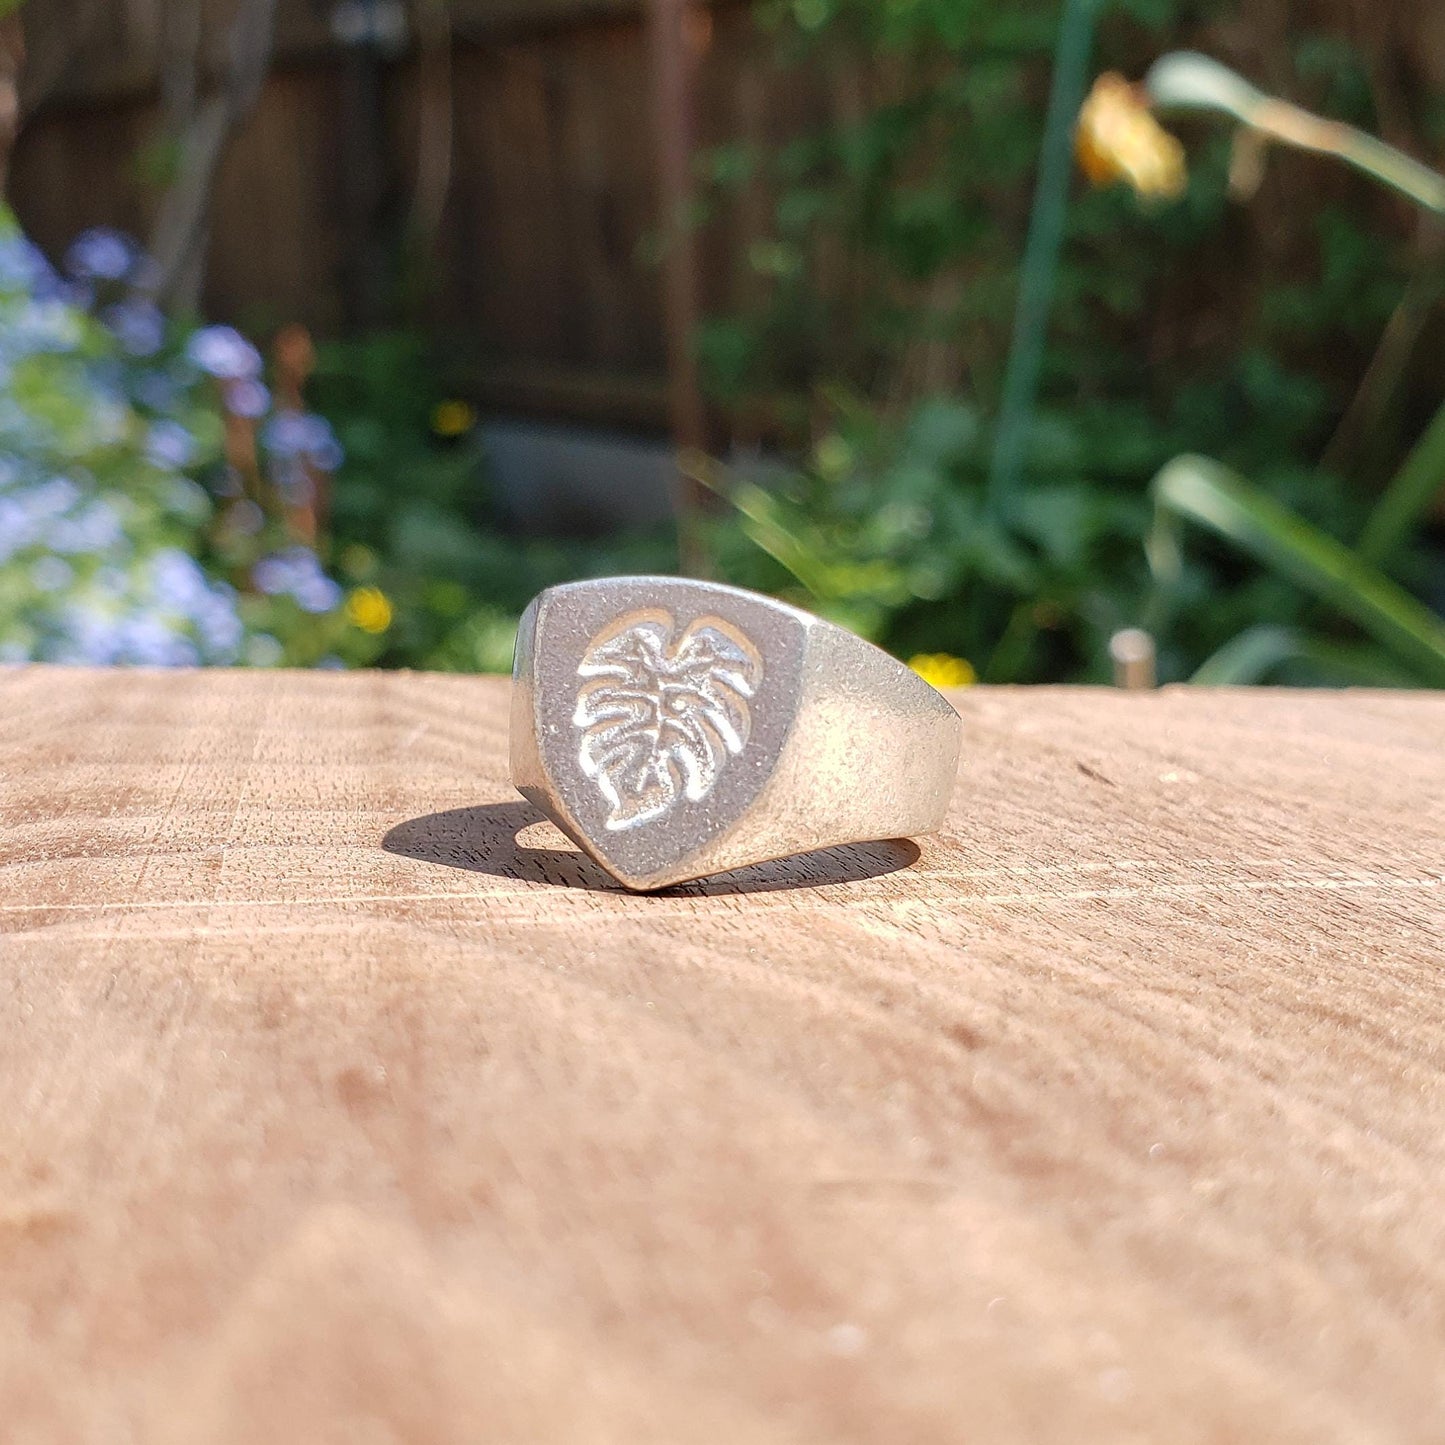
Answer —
343 1104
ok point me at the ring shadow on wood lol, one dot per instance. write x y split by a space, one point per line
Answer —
485 839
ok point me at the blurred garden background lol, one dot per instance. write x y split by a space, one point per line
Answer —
332 330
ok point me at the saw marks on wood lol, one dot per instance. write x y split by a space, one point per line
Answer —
345 1101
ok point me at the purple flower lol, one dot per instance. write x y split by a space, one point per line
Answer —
329 455
137 325
318 594
52 574
297 433
296 573
51 499
44 325
177 582
181 589
148 641
247 398
224 352
293 484
96 529
101 254
245 517
220 626
23 267
156 389
18 529
296 437
274 575
169 445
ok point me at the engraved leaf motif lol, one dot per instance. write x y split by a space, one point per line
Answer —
659 718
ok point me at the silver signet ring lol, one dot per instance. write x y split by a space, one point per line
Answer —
675 729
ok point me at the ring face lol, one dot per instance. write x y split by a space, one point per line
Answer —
659 708
675 728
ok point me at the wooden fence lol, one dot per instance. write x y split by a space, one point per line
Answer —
535 262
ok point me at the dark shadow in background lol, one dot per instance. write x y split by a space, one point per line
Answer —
484 840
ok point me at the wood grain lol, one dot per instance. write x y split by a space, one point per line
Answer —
343 1103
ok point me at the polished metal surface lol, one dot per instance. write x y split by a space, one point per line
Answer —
675 729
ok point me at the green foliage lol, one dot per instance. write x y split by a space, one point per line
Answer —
413 515
1201 491
140 497
886 531
877 330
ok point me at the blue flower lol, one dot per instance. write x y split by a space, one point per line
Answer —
245 517
274 575
146 640
219 625
296 573
101 254
294 439
43 325
225 353
169 445
50 499
52 574
157 390
247 398
181 589
177 581
318 594
23 267
293 433
95 529
18 529
329 455
137 325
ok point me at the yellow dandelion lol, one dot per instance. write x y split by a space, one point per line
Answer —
943 669
1118 139
369 608
452 418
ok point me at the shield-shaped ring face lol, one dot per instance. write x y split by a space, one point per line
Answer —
650 713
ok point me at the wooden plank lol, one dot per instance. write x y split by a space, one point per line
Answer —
344 1103
113 54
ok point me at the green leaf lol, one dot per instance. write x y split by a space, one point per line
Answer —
1259 652
1184 80
1249 657
1202 491
1414 487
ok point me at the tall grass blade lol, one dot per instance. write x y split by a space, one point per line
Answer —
1249 657
1259 652
1418 482
1199 490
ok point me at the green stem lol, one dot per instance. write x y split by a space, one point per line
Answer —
1041 254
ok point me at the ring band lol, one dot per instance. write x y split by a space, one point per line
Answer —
675 729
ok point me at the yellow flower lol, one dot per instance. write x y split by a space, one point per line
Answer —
1118 139
943 669
369 608
452 418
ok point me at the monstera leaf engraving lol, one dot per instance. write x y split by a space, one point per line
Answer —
659 718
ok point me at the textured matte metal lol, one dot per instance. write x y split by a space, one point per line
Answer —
675 729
